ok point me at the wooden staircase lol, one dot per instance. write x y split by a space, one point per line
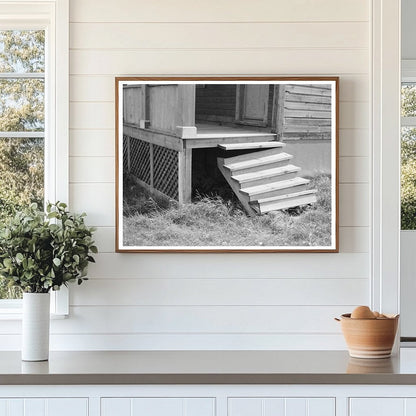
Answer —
263 178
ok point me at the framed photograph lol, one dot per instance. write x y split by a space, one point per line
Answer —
234 164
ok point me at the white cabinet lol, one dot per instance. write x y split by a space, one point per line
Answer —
44 407
146 406
281 406
382 406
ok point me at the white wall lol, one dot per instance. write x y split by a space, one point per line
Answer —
214 301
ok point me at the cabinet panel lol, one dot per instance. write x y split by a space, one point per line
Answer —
119 407
157 406
382 406
67 407
410 406
281 406
34 407
15 407
296 407
318 407
44 407
245 407
377 407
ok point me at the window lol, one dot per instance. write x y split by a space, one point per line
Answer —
408 155
33 112
22 124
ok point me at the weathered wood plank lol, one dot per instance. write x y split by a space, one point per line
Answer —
309 89
289 201
163 102
307 98
246 146
214 142
280 90
133 104
161 139
275 188
257 155
308 121
308 114
301 105
185 107
185 176
301 130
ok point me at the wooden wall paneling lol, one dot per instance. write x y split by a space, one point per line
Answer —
217 11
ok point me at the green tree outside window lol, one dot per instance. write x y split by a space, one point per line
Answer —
22 124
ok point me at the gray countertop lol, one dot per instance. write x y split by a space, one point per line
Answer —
208 367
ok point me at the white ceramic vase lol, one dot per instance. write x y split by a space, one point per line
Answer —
35 326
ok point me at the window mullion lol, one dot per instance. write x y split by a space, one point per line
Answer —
22 75
22 134
408 121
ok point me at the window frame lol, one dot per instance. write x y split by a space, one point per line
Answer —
53 17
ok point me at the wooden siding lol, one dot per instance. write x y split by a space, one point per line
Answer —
162 107
322 37
306 112
133 110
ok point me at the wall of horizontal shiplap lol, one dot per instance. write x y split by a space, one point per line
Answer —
181 301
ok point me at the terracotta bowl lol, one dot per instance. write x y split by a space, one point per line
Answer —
369 366
369 338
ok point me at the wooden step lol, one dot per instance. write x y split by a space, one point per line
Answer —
286 201
277 188
235 187
251 155
251 145
265 176
255 163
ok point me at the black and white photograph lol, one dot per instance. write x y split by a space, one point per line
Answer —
227 164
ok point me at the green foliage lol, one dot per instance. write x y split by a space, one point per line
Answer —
21 174
408 100
40 252
408 195
408 145
22 50
21 109
408 161
22 100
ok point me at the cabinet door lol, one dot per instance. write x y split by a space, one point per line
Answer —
44 407
377 407
146 406
382 407
251 406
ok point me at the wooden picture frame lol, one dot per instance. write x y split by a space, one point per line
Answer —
240 164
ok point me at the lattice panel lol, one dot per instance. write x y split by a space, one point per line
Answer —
140 159
166 171
125 154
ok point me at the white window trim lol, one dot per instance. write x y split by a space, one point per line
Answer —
385 95
52 15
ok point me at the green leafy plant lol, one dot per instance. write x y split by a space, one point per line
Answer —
43 251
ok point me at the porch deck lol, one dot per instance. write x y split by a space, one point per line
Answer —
212 135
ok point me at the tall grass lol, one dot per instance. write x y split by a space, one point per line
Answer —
213 221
